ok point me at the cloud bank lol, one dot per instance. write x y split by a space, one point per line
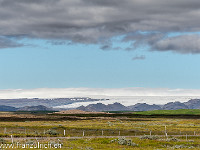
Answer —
94 92
98 21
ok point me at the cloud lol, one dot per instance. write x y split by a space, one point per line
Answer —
94 92
109 47
180 44
187 43
58 42
126 96
96 21
8 43
142 57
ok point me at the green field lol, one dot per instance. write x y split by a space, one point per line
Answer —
96 132
170 112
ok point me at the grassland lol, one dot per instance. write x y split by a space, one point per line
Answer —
104 132
170 112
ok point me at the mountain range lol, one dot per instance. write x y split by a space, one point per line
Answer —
26 108
50 102
191 104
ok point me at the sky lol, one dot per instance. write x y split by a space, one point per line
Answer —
100 44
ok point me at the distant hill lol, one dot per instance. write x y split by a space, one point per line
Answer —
34 108
7 108
193 104
49 102
119 107
93 107
144 107
102 107
116 107
175 106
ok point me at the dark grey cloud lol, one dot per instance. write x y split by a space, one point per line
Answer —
109 46
142 57
180 44
8 43
106 47
143 38
96 21
188 43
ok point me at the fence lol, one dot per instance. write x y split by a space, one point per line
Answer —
79 132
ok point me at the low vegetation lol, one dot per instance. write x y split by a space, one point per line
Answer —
170 112
118 132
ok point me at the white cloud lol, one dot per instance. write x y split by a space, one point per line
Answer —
94 92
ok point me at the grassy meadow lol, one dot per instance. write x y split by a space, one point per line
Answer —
170 112
119 132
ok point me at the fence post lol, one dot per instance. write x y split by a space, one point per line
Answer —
64 132
5 130
83 133
12 139
166 131
102 132
150 132
119 133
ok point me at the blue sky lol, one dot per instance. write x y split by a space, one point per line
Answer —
99 44
43 65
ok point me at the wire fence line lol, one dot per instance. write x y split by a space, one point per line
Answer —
61 137
64 132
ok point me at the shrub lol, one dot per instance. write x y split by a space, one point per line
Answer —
51 132
172 139
149 137
2 141
124 141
